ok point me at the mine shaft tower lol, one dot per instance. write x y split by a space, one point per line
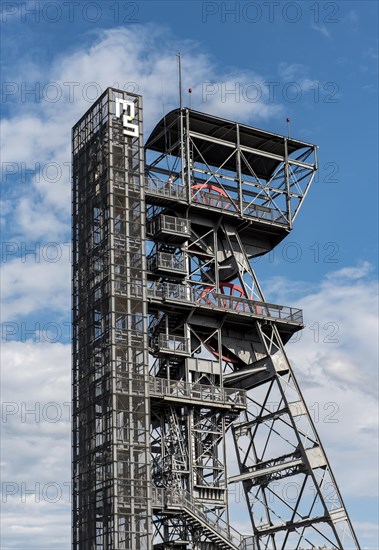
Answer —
182 390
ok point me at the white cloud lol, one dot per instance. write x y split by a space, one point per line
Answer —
321 29
140 59
336 360
352 273
37 284
295 75
36 443
337 380
290 71
372 54
352 16
352 19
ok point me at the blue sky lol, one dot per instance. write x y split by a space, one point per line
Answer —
315 62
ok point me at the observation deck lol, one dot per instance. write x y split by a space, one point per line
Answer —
243 173
235 309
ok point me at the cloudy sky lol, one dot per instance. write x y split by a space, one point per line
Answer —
254 62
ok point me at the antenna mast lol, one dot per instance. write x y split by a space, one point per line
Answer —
180 79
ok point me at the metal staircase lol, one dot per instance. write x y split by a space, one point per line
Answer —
217 534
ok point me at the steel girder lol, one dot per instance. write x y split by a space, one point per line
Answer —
215 314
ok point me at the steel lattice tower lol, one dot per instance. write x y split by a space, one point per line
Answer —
182 389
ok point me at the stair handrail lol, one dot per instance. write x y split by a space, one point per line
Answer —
183 498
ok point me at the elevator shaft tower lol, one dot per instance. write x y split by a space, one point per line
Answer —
183 392
112 506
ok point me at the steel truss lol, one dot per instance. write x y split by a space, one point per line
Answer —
220 194
182 389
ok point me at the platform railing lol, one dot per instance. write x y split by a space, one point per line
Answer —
244 305
171 224
214 200
187 390
166 261
171 343
249 209
211 299
170 261
265 213
175 190
248 543
164 188
171 291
